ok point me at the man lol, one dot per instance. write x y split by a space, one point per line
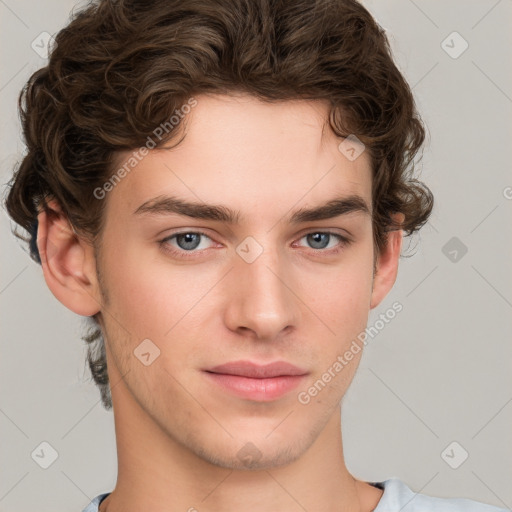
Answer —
222 187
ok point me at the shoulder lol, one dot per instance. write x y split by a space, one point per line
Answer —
398 496
94 504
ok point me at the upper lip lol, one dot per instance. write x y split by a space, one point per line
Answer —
257 371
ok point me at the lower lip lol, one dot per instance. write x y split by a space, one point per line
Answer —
260 390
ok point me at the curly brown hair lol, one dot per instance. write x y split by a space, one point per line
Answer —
121 67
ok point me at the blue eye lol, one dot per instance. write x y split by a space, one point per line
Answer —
187 241
320 240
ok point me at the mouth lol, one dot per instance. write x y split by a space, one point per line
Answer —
261 383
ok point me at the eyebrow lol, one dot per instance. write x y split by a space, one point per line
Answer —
165 205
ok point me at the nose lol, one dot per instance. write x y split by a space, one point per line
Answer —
261 298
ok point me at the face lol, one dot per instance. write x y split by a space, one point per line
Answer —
250 281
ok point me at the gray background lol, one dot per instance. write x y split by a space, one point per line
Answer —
438 373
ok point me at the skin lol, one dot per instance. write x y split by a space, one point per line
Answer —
178 434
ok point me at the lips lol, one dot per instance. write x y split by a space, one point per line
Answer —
255 371
259 383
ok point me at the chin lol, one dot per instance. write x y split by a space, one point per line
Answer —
254 454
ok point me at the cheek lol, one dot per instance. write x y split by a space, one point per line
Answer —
148 293
341 294
343 306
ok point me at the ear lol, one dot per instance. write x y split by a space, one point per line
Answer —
68 262
387 264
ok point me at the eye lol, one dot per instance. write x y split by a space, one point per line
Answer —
185 242
326 241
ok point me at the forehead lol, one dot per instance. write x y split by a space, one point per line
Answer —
241 151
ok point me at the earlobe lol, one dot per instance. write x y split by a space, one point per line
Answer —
387 264
67 261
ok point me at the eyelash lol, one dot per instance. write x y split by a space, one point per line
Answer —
183 254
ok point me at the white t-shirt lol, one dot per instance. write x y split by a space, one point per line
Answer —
397 497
